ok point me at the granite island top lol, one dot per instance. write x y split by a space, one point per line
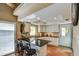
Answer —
37 42
40 42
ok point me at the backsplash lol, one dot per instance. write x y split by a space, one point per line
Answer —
48 34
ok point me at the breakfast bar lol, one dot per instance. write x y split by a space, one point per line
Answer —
41 46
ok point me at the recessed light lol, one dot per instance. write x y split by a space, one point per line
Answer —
38 18
31 16
55 18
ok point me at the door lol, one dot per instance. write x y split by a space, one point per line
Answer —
65 35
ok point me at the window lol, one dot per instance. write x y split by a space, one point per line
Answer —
33 30
64 31
7 31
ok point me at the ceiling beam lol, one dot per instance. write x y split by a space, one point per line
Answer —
11 5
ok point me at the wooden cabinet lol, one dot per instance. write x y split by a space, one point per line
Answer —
52 28
18 29
41 28
48 28
27 27
18 33
54 41
43 51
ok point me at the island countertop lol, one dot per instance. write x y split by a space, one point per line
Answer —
40 42
41 46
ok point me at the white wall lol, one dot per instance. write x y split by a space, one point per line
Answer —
76 40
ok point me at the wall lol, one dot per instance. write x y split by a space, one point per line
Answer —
67 11
76 40
6 13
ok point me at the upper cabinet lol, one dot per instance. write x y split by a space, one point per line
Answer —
42 28
22 28
27 27
52 28
48 28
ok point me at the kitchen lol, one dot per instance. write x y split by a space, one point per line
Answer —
47 31
40 39
41 33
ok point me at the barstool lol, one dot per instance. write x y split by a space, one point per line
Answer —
25 49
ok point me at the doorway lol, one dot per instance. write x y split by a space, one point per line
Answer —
65 35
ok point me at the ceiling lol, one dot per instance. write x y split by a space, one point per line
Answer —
26 9
52 14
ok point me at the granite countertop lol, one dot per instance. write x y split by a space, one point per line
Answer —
40 42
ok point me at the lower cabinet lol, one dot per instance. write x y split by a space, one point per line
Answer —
54 41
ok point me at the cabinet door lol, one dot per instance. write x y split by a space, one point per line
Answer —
27 27
54 41
18 33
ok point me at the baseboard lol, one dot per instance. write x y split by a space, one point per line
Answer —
9 54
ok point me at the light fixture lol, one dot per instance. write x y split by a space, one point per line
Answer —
55 18
31 16
38 18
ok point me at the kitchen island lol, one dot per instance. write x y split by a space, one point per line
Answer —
41 46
